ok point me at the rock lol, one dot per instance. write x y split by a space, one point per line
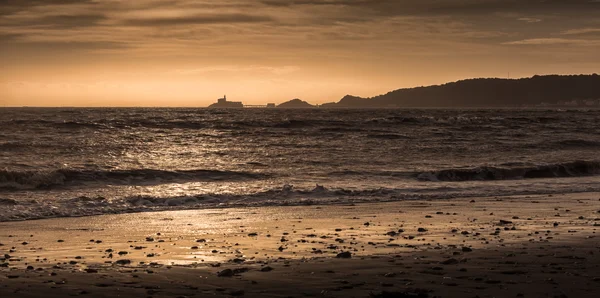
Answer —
514 272
449 262
123 262
236 293
467 249
252 234
225 273
344 255
505 222
386 294
422 230
266 269
201 240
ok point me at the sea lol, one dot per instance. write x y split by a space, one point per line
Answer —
64 162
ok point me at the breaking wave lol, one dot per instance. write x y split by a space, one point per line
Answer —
570 169
11 210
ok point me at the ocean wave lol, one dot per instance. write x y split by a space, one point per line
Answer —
23 180
570 169
371 173
11 210
577 143
287 195
388 136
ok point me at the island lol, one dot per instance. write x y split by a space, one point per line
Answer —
295 104
223 103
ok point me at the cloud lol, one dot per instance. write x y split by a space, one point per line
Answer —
281 70
553 41
10 7
292 30
10 36
59 21
445 7
200 20
581 31
530 20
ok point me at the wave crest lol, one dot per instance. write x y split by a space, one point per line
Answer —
571 169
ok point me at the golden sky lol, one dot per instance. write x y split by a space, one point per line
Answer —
189 53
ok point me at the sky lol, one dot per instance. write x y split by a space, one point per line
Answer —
189 53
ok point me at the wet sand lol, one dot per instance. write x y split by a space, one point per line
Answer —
527 246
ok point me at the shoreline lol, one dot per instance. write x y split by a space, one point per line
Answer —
417 246
309 201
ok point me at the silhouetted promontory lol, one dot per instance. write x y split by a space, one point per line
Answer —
549 90
295 104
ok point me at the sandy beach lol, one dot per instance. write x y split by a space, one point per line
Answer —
522 246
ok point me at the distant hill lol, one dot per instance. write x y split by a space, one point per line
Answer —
550 90
295 103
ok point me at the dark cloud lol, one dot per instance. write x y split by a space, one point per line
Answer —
200 19
448 7
62 46
58 21
8 7
10 36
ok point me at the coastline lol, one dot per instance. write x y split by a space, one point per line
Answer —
433 248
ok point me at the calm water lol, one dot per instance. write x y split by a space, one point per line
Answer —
66 162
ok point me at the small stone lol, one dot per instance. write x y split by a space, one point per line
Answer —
225 273
123 262
449 262
344 255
